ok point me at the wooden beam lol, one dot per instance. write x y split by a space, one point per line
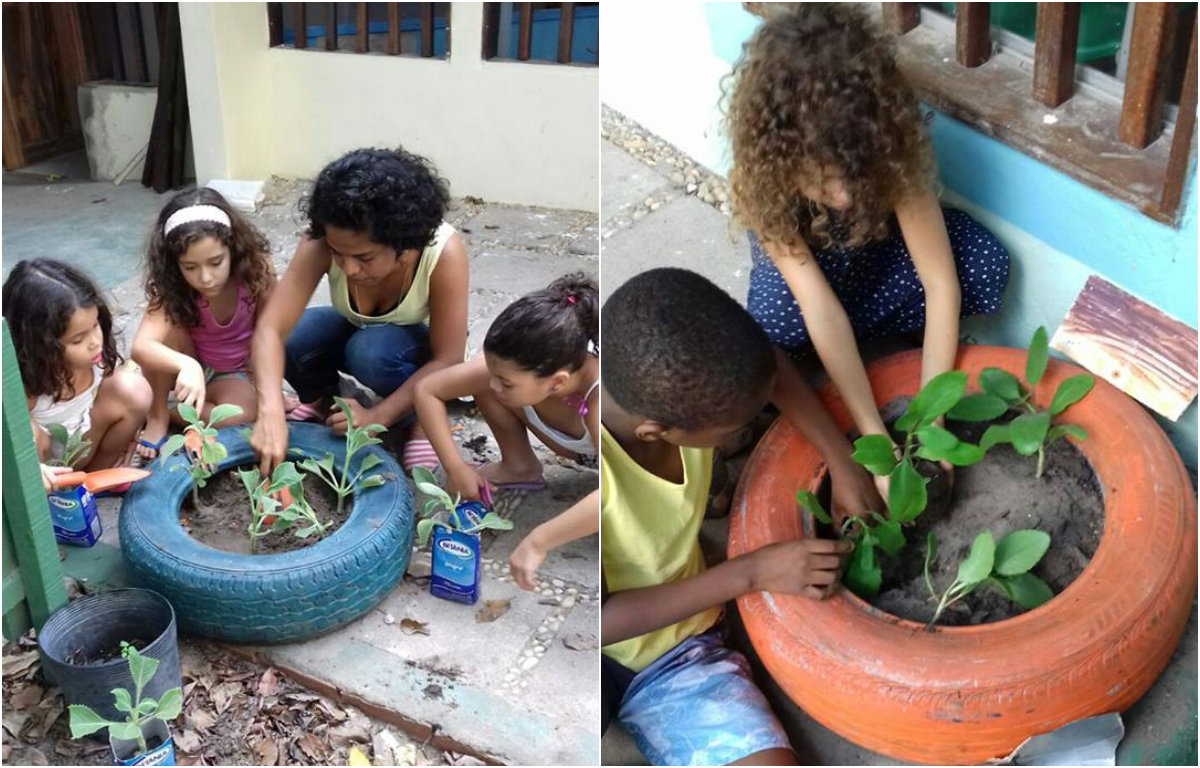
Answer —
299 27
393 44
1054 52
14 153
899 18
973 33
427 30
1146 79
331 34
362 28
524 30
566 32
1184 140
275 24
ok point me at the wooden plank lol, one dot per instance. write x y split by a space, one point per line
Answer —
524 30
331 33
71 61
362 28
566 32
393 43
1184 140
899 18
491 30
1146 79
973 33
1137 348
427 30
25 508
1054 52
14 154
275 24
16 620
13 589
299 27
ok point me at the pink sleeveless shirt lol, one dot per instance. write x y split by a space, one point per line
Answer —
225 348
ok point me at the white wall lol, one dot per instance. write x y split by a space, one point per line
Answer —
502 131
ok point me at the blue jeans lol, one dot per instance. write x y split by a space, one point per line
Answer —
382 357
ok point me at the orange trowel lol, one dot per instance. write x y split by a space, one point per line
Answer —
101 480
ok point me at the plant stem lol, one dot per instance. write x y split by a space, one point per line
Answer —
1041 459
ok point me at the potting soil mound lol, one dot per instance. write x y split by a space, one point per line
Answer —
224 516
1000 494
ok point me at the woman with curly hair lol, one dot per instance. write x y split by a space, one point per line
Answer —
834 176
207 273
398 281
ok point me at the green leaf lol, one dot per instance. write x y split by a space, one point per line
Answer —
876 453
936 439
285 476
126 731
981 407
1028 431
173 444
1026 590
370 482
961 455
222 412
304 533
938 396
424 528
369 462
994 435
327 462
978 565
85 721
1062 430
170 705
890 537
147 706
1071 391
1035 361
493 522
142 669
423 475
1019 551
906 493
250 479
121 700
810 502
58 434
211 453
188 414
1001 384
863 573
344 407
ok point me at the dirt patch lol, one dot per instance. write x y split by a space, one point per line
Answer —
1000 494
76 658
224 515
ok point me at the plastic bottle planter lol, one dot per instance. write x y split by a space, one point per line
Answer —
454 574
125 751
73 513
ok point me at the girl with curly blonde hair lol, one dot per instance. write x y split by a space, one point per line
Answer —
834 177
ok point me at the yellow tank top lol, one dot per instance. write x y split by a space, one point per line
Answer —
414 309
650 532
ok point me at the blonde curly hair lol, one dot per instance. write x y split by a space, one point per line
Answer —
816 97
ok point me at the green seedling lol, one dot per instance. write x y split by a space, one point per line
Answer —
279 505
864 574
1031 432
71 447
85 720
357 438
200 438
1004 565
440 509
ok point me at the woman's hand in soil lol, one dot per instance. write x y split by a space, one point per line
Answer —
524 562
854 493
49 473
466 481
269 441
190 384
362 417
809 567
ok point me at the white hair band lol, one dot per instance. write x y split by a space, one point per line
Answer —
195 213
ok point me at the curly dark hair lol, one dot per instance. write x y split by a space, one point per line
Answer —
249 254
40 296
548 330
395 197
681 351
815 95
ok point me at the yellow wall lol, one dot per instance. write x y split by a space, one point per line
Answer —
502 131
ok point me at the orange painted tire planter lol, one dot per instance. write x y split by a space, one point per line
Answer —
961 695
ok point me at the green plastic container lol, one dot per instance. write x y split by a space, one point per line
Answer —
1101 25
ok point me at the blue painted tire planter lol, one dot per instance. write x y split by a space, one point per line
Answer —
270 598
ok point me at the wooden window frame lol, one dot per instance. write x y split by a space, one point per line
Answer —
524 13
298 14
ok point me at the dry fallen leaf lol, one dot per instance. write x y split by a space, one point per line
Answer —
199 718
414 627
311 745
268 684
27 697
492 610
28 756
55 711
223 695
19 663
268 751
14 721
187 741
357 729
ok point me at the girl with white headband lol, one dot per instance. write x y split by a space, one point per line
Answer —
208 271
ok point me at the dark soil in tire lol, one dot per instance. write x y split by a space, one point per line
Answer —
1000 494
225 514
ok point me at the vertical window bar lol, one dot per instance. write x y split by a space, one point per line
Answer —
331 34
393 44
899 18
525 33
362 28
1054 52
299 27
427 30
1184 138
275 23
1146 81
973 38
566 31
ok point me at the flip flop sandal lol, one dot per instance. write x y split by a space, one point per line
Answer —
138 460
419 453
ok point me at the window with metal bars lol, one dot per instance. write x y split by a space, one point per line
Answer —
564 33
395 29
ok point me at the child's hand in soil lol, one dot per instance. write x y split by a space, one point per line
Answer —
524 562
853 492
464 480
809 567
362 417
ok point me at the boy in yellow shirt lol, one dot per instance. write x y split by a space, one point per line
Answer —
684 367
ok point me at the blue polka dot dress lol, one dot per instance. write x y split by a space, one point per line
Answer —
877 283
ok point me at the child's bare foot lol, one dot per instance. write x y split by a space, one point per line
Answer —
151 439
502 474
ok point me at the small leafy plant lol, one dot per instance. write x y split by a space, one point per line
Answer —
357 438
1031 432
85 720
440 509
203 447
1004 565
277 504
72 446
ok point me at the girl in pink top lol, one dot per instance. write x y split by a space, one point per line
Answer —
208 271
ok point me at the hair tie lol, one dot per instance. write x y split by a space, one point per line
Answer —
571 300
195 213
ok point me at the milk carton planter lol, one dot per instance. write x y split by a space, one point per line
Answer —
72 510
455 526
